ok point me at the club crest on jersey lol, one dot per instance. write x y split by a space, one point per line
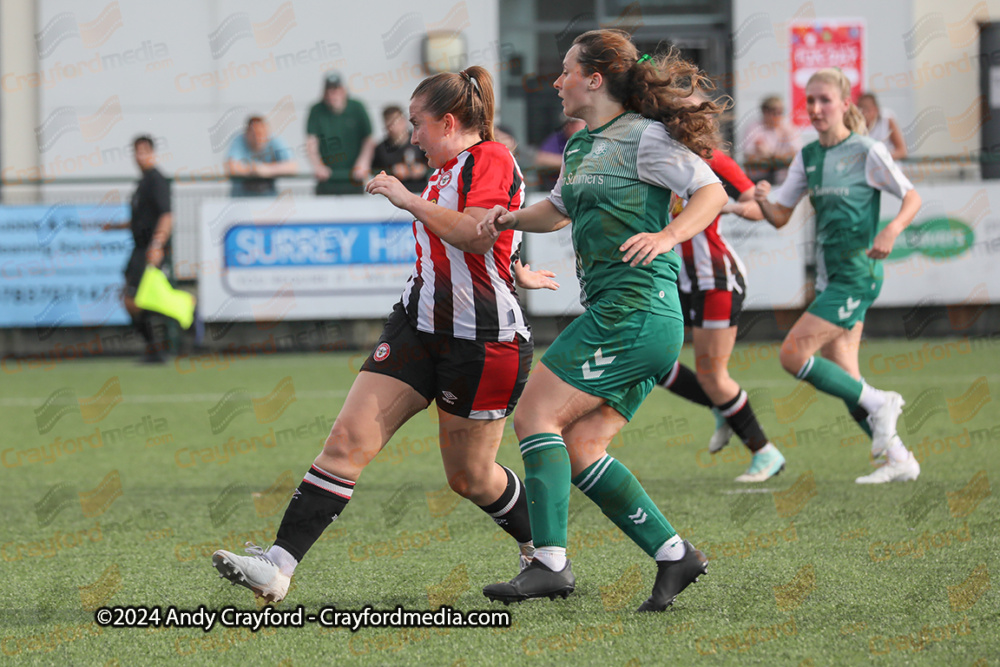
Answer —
600 148
445 179
381 352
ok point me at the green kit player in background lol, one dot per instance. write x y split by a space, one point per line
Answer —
844 174
615 185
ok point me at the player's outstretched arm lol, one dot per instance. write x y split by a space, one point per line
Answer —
776 214
540 217
745 207
457 228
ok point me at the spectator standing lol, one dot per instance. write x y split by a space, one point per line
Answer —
255 159
882 126
339 141
771 143
397 156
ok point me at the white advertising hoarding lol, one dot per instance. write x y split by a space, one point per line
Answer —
292 258
949 254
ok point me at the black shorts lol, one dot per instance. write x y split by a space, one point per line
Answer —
711 309
137 266
467 378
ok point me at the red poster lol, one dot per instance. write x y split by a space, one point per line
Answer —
820 43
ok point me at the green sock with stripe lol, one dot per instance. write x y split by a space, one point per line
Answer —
621 497
831 379
547 481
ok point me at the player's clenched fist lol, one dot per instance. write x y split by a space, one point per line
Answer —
496 220
762 191
389 187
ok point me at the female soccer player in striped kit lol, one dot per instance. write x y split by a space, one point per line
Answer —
617 177
712 288
844 174
458 336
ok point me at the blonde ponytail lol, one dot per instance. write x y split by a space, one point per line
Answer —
855 120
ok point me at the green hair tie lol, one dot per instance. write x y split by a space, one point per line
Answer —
644 58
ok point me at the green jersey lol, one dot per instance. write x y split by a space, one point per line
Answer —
615 183
340 136
844 183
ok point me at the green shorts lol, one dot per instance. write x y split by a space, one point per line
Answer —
617 353
845 304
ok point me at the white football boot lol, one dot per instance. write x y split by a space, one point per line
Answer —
255 572
893 471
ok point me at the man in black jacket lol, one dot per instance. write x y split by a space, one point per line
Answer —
151 225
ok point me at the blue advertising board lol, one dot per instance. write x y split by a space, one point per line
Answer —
318 244
268 260
59 269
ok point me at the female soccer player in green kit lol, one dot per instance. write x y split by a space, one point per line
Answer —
844 174
617 177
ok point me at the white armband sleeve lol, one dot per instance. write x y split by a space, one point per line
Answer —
665 162
795 186
556 195
882 172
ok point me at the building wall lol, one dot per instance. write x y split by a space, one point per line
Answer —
922 62
18 113
943 75
189 72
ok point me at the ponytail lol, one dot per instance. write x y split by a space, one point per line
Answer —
467 95
854 120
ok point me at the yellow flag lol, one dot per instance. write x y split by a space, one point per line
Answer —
155 293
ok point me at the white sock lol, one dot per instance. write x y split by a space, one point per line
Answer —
284 560
553 557
871 398
768 448
672 549
897 451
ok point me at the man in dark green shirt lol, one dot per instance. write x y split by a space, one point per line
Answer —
339 141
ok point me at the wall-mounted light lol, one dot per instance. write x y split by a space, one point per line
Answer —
444 51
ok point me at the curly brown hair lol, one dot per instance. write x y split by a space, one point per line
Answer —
656 88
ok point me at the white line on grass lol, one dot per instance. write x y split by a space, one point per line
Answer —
734 492
168 398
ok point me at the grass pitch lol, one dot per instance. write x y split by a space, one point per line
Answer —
118 481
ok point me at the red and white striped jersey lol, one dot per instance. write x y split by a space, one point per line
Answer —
463 294
708 261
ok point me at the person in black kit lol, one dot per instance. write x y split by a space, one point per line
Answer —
396 156
151 225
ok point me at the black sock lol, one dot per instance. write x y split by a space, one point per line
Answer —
143 323
740 416
683 382
860 415
317 503
510 511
